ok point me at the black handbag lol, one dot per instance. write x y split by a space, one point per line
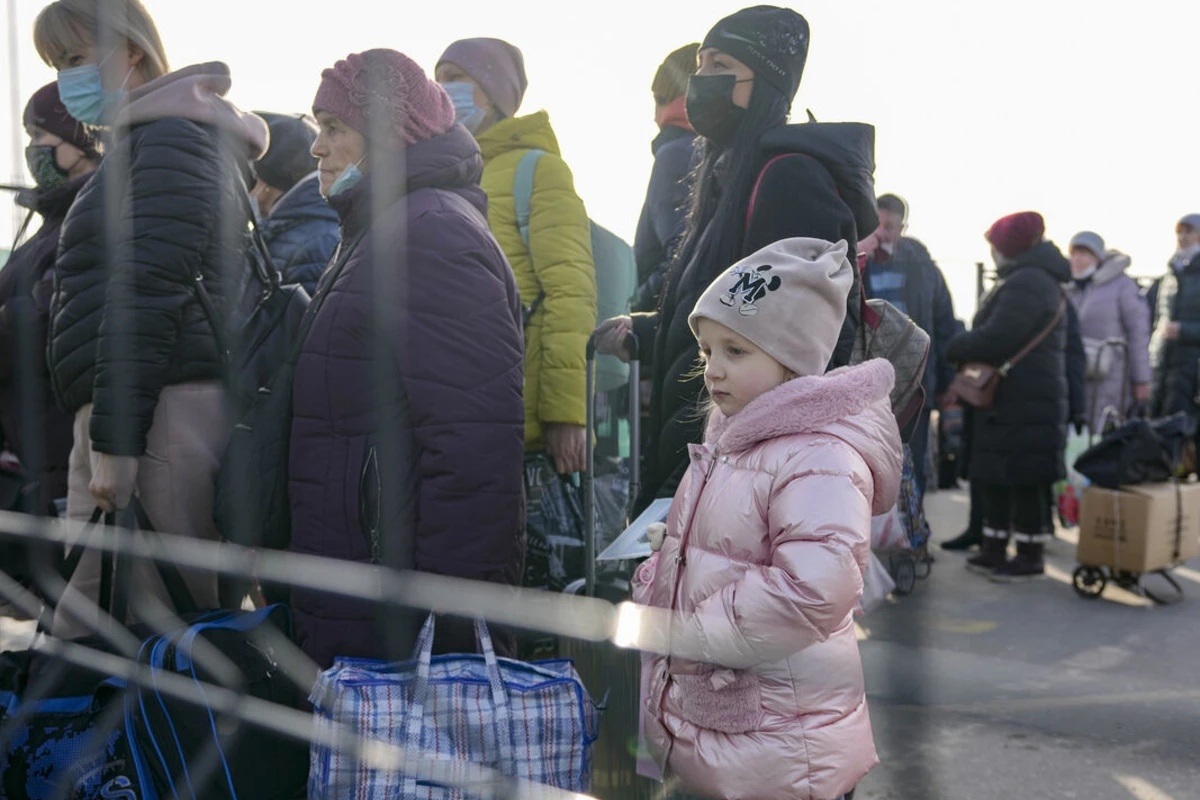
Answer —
262 326
251 505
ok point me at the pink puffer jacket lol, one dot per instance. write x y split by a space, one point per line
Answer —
766 546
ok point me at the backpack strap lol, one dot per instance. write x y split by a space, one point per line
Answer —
523 191
763 173
523 202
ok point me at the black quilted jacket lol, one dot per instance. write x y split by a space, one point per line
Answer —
125 319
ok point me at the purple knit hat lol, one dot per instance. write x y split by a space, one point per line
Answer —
389 83
497 66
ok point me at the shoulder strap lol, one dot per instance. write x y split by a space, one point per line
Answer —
523 191
264 270
758 183
523 202
1041 337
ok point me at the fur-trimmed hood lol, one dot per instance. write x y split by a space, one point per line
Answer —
1112 267
851 403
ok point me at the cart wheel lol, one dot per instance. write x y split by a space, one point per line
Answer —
904 572
1089 582
925 561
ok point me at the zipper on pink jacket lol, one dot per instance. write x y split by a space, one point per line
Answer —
680 563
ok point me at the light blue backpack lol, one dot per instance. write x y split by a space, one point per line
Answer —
616 271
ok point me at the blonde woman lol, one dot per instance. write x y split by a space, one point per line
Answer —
131 352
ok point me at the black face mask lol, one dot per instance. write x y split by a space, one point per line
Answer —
710 107
42 160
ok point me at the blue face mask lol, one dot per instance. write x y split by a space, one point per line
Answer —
83 94
349 178
466 113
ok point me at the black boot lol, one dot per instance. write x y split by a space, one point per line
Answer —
993 553
964 541
1028 564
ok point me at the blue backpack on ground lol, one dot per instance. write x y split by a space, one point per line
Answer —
616 271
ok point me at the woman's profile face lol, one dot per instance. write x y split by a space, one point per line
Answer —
337 146
717 62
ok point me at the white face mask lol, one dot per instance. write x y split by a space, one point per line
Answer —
1085 274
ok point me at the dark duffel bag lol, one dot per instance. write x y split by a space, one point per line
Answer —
1140 451
62 732
174 738
69 732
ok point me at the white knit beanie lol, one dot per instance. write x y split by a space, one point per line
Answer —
788 299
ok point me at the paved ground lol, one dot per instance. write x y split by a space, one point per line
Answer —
988 692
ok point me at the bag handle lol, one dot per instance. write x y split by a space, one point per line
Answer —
172 578
70 564
1041 337
266 272
423 655
115 572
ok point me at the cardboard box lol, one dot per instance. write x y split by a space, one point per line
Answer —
1139 528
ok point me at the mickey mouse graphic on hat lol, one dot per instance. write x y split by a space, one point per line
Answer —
751 286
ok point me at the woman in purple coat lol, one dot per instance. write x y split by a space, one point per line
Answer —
1114 321
408 418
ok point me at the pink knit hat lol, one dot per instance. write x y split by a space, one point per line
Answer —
385 82
788 299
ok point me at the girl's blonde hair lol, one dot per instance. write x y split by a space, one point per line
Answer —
67 25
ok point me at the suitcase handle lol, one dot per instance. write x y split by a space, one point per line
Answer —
635 433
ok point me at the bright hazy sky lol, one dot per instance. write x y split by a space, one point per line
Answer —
1088 111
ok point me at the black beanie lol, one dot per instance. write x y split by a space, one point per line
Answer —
770 40
288 158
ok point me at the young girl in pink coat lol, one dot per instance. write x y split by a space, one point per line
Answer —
767 541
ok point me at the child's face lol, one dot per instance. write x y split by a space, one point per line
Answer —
735 371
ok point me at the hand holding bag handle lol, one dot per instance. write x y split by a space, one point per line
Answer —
976 383
68 568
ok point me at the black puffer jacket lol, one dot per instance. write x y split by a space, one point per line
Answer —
1177 363
119 333
1021 440
798 196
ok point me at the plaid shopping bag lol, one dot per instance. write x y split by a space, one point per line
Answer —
530 721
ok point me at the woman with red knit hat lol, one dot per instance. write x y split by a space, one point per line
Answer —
1017 445
408 421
